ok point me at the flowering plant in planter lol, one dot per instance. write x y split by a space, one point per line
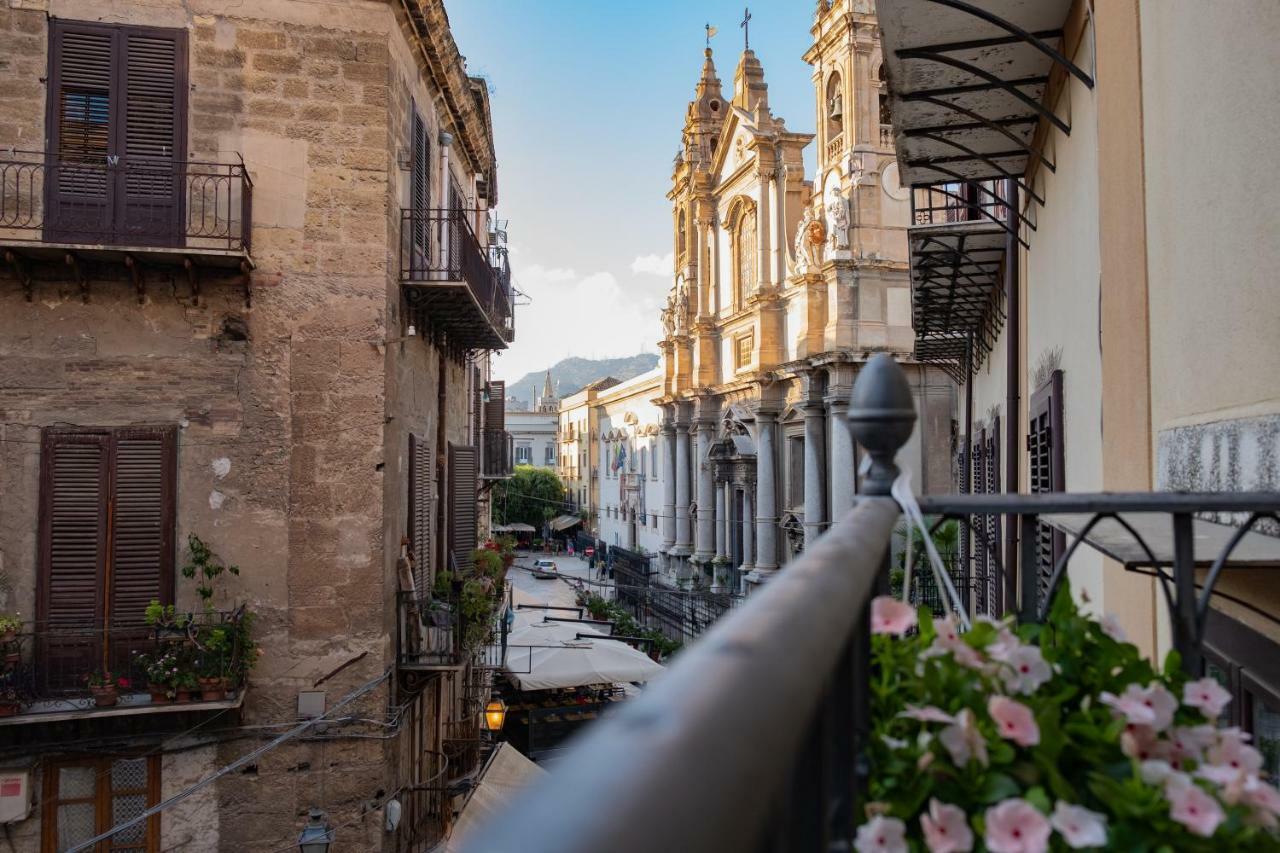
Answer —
1055 736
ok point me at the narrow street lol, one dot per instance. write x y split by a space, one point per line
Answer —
526 589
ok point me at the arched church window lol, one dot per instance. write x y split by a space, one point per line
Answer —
744 246
835 107
681 235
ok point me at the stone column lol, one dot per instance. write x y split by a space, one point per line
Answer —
748 527
706 542
815 470
843 461
723 506
766 497
668 483
683 543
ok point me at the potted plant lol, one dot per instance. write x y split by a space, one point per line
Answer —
185 685
215 644
1050 736
167 623
105 687
160 669
10 625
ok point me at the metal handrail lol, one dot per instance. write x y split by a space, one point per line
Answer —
440 245
688 734
49 197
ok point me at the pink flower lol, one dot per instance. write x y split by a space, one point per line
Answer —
1265 801
881 835
1207 695
1079 826
945 829
1016 826
964 741
1152 705
1026 670
890 616
1156 772
1014 720
1194 809
1140 742
1110 625
927 714
1231 751
948 631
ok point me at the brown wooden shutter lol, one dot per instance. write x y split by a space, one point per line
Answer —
142 514
73 528
495 411
462 503
420 512
117 122
419 188
1047 470
153 139
82 103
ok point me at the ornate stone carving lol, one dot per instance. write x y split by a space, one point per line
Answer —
811 236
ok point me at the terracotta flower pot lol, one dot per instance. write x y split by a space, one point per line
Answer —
184 695
9 709
159 694
213 689
8 636
105 696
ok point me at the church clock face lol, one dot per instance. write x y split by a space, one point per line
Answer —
891 181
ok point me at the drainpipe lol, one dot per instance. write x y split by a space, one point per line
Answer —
1013 403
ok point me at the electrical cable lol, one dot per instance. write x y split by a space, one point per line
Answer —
239 762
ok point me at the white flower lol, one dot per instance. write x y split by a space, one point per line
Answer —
1025 670
1111 627
1079 826
964 740
881 835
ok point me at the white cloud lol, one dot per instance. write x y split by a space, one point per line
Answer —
654 264
590 316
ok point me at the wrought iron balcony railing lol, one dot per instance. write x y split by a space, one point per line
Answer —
432 633
46 197
450 279
753 739
46 668
497 451
959 201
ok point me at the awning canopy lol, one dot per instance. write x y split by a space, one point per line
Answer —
514 527
505 775
564 522
545 655
967 83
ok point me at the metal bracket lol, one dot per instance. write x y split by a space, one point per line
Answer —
24 275
193 278
135 272
74 263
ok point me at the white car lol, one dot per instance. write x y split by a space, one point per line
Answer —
545 564
545 569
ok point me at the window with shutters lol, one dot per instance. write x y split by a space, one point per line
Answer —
985 459
420 512
462 504
86 797
107 511
419 189
1047 470
116 122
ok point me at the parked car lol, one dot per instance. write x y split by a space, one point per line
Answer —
545 569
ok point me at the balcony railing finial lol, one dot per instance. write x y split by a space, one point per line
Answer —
881 416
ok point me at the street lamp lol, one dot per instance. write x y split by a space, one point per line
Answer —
317 835
495 714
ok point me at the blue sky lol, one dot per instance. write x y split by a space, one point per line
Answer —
588 99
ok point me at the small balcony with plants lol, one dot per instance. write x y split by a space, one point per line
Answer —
164 660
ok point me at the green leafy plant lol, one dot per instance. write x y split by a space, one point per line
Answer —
626 625
10 623
205 567
1050 736
159 615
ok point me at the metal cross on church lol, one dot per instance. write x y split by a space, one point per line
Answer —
746 28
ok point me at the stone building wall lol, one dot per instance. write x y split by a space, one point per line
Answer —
294 413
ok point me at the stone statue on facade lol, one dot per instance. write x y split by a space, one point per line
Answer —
838 222
669 316
682 308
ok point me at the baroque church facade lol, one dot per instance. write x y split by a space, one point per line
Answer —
783 286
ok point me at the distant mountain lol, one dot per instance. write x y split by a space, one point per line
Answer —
572 374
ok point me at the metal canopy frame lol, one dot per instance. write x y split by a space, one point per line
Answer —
969 85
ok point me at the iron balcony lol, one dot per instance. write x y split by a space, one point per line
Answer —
452 287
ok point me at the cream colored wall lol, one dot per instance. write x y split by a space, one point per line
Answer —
1062 272
1213 203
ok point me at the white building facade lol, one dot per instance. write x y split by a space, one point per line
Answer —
627 484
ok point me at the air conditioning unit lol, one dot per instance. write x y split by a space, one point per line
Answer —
15 795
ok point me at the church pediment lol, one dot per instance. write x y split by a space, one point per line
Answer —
737 144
